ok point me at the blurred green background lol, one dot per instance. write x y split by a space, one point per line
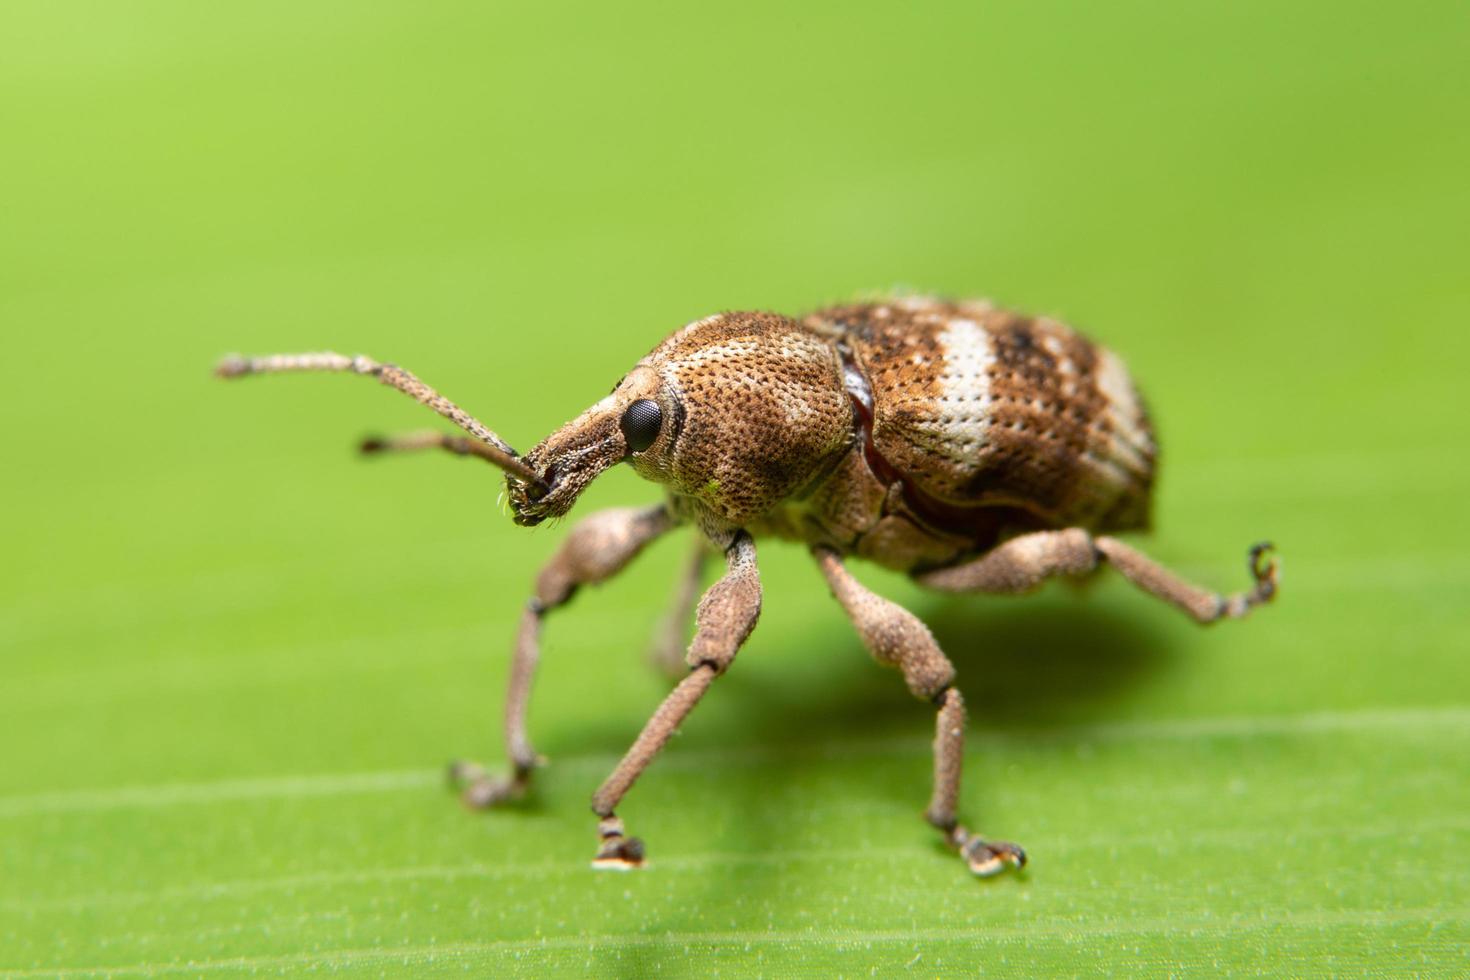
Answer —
235 656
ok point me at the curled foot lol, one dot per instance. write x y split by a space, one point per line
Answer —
1263 572
479 790
618 852
1263 569
987 857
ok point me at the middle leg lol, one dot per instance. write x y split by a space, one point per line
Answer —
896 637
669 638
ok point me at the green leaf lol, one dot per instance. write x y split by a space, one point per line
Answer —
234 657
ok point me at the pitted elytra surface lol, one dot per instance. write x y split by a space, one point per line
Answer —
978 406
977 449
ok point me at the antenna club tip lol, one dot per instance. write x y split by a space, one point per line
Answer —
232 366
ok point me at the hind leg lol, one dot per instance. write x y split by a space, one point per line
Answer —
1023 563
896 637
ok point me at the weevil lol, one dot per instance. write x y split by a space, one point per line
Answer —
975 449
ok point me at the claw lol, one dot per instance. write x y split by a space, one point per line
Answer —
987 858
1262 566
460 771
619 854
478 790
1263 569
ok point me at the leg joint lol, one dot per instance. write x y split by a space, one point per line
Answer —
944 822
929 678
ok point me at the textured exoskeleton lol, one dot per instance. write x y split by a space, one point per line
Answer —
973 448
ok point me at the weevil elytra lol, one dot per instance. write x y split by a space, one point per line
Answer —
975 449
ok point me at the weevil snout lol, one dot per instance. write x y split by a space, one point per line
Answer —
629 422
524 497
528 502
567 461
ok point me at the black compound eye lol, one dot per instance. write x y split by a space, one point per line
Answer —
640 424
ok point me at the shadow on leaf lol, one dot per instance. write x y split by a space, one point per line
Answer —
1023 665
1020 663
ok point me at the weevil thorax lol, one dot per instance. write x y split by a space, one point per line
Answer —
734 413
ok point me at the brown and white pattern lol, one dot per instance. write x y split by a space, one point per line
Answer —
978 423
980 406
977 449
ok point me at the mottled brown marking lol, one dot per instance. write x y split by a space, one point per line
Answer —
1027 447
1042 420
764 413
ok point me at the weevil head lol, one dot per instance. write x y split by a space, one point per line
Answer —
734 413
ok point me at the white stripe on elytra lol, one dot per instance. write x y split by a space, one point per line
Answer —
968 356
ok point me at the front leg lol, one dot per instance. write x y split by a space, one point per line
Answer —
896 637
596 549
726 615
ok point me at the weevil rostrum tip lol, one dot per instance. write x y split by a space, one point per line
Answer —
975 449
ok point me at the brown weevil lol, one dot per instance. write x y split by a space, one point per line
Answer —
972 448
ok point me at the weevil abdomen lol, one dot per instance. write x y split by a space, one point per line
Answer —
976 422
